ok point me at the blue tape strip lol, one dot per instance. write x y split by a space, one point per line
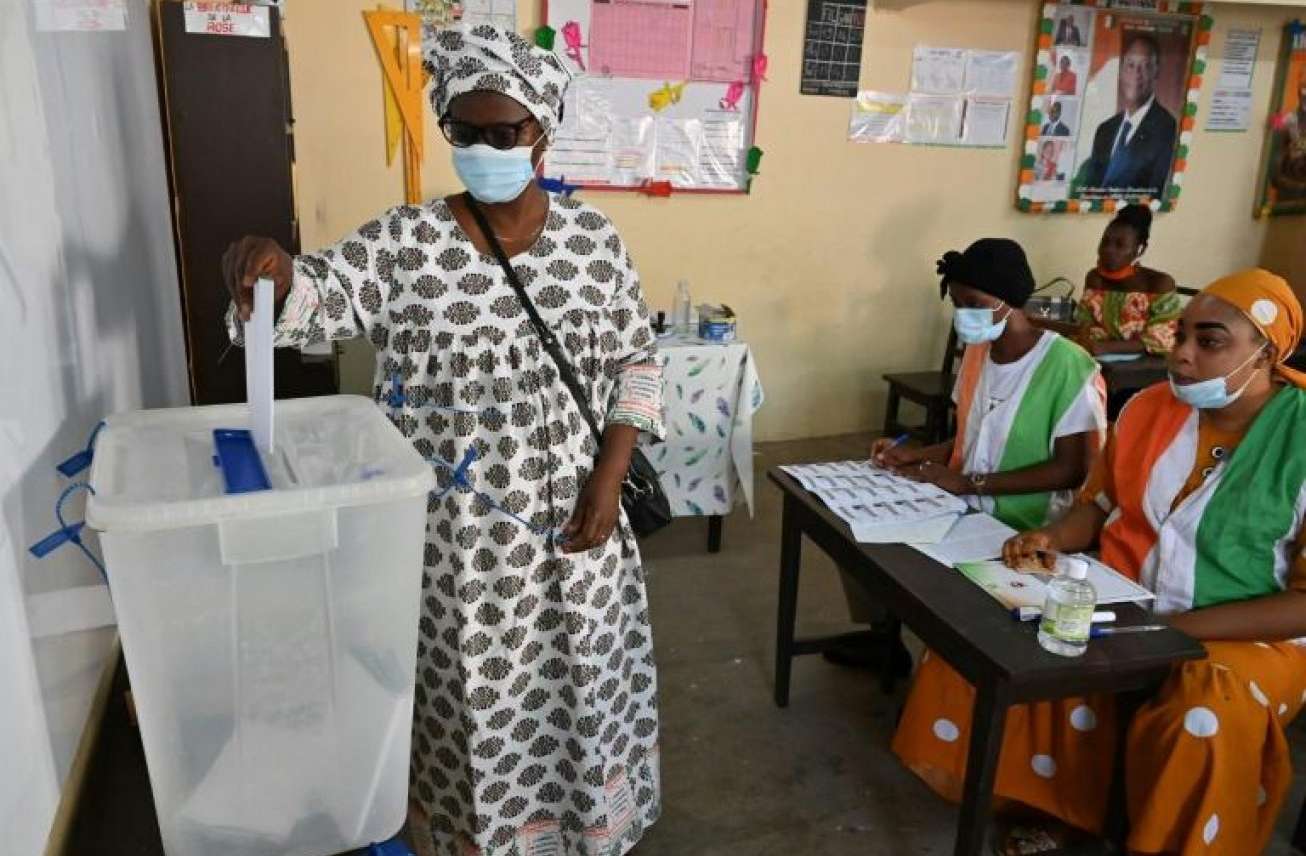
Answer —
58 538
80 461
557 185
68 532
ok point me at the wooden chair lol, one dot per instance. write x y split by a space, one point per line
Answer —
931 391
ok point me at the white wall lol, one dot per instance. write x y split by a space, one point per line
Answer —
89 324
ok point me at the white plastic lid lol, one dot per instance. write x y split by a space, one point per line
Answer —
1074 567
154 469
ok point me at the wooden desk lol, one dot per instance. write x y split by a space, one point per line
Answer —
961 623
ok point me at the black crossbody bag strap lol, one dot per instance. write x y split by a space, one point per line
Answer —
646 504
547 339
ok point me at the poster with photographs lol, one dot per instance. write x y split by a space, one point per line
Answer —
1283 189
1114 98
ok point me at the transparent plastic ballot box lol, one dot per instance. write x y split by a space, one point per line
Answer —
270 635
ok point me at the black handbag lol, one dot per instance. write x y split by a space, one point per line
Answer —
646 504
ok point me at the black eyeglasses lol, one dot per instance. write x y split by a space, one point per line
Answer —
500 135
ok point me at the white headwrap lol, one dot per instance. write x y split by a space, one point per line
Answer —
486 58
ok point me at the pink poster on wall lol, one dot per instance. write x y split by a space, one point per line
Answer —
723 40
632 39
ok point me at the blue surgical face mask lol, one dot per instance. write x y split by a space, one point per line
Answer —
494 175
976 326
1212 394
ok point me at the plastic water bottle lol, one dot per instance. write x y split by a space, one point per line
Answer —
1068 610
680 319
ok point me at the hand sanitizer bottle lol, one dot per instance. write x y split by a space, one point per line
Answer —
1068 611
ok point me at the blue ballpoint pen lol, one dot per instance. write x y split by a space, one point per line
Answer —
897 441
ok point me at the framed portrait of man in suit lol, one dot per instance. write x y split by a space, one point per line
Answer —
1133 101
1121 102
1283 183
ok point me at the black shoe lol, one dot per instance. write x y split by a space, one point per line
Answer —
872 650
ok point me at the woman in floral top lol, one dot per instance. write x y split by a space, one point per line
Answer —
1128 308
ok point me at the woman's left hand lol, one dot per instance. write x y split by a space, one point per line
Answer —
596 514
939 476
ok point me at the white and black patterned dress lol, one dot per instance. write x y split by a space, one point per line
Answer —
536 720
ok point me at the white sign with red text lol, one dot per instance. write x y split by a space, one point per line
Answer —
227 19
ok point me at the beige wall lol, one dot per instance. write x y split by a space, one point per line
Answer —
1285 251
830 262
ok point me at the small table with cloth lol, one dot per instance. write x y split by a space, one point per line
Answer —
710 393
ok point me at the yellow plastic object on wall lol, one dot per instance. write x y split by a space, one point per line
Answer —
397 37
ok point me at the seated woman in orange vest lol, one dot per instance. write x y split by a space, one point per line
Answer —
1030 403
1201 496
1031 410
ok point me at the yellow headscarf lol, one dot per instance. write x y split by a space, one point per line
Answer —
1268 302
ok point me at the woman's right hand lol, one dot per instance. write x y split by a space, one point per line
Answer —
885 454
1031 551
248 259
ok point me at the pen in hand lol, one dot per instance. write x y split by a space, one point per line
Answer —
878 460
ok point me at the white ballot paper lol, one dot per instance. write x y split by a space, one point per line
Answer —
879 506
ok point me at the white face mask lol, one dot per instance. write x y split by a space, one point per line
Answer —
976 326
1213 394
495 175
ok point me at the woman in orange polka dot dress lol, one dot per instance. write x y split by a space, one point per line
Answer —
1201 496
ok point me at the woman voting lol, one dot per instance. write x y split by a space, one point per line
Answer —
1030 403
1200 496
536 724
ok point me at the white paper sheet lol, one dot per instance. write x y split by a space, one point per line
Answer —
258 365
934 119
877 117
992 73
973 538
496 13
582 149
577 155
986 121
720 163
928 531
1231 110
632 149
938 70
679 148
1239 62
879 506
1113 586
1016 588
